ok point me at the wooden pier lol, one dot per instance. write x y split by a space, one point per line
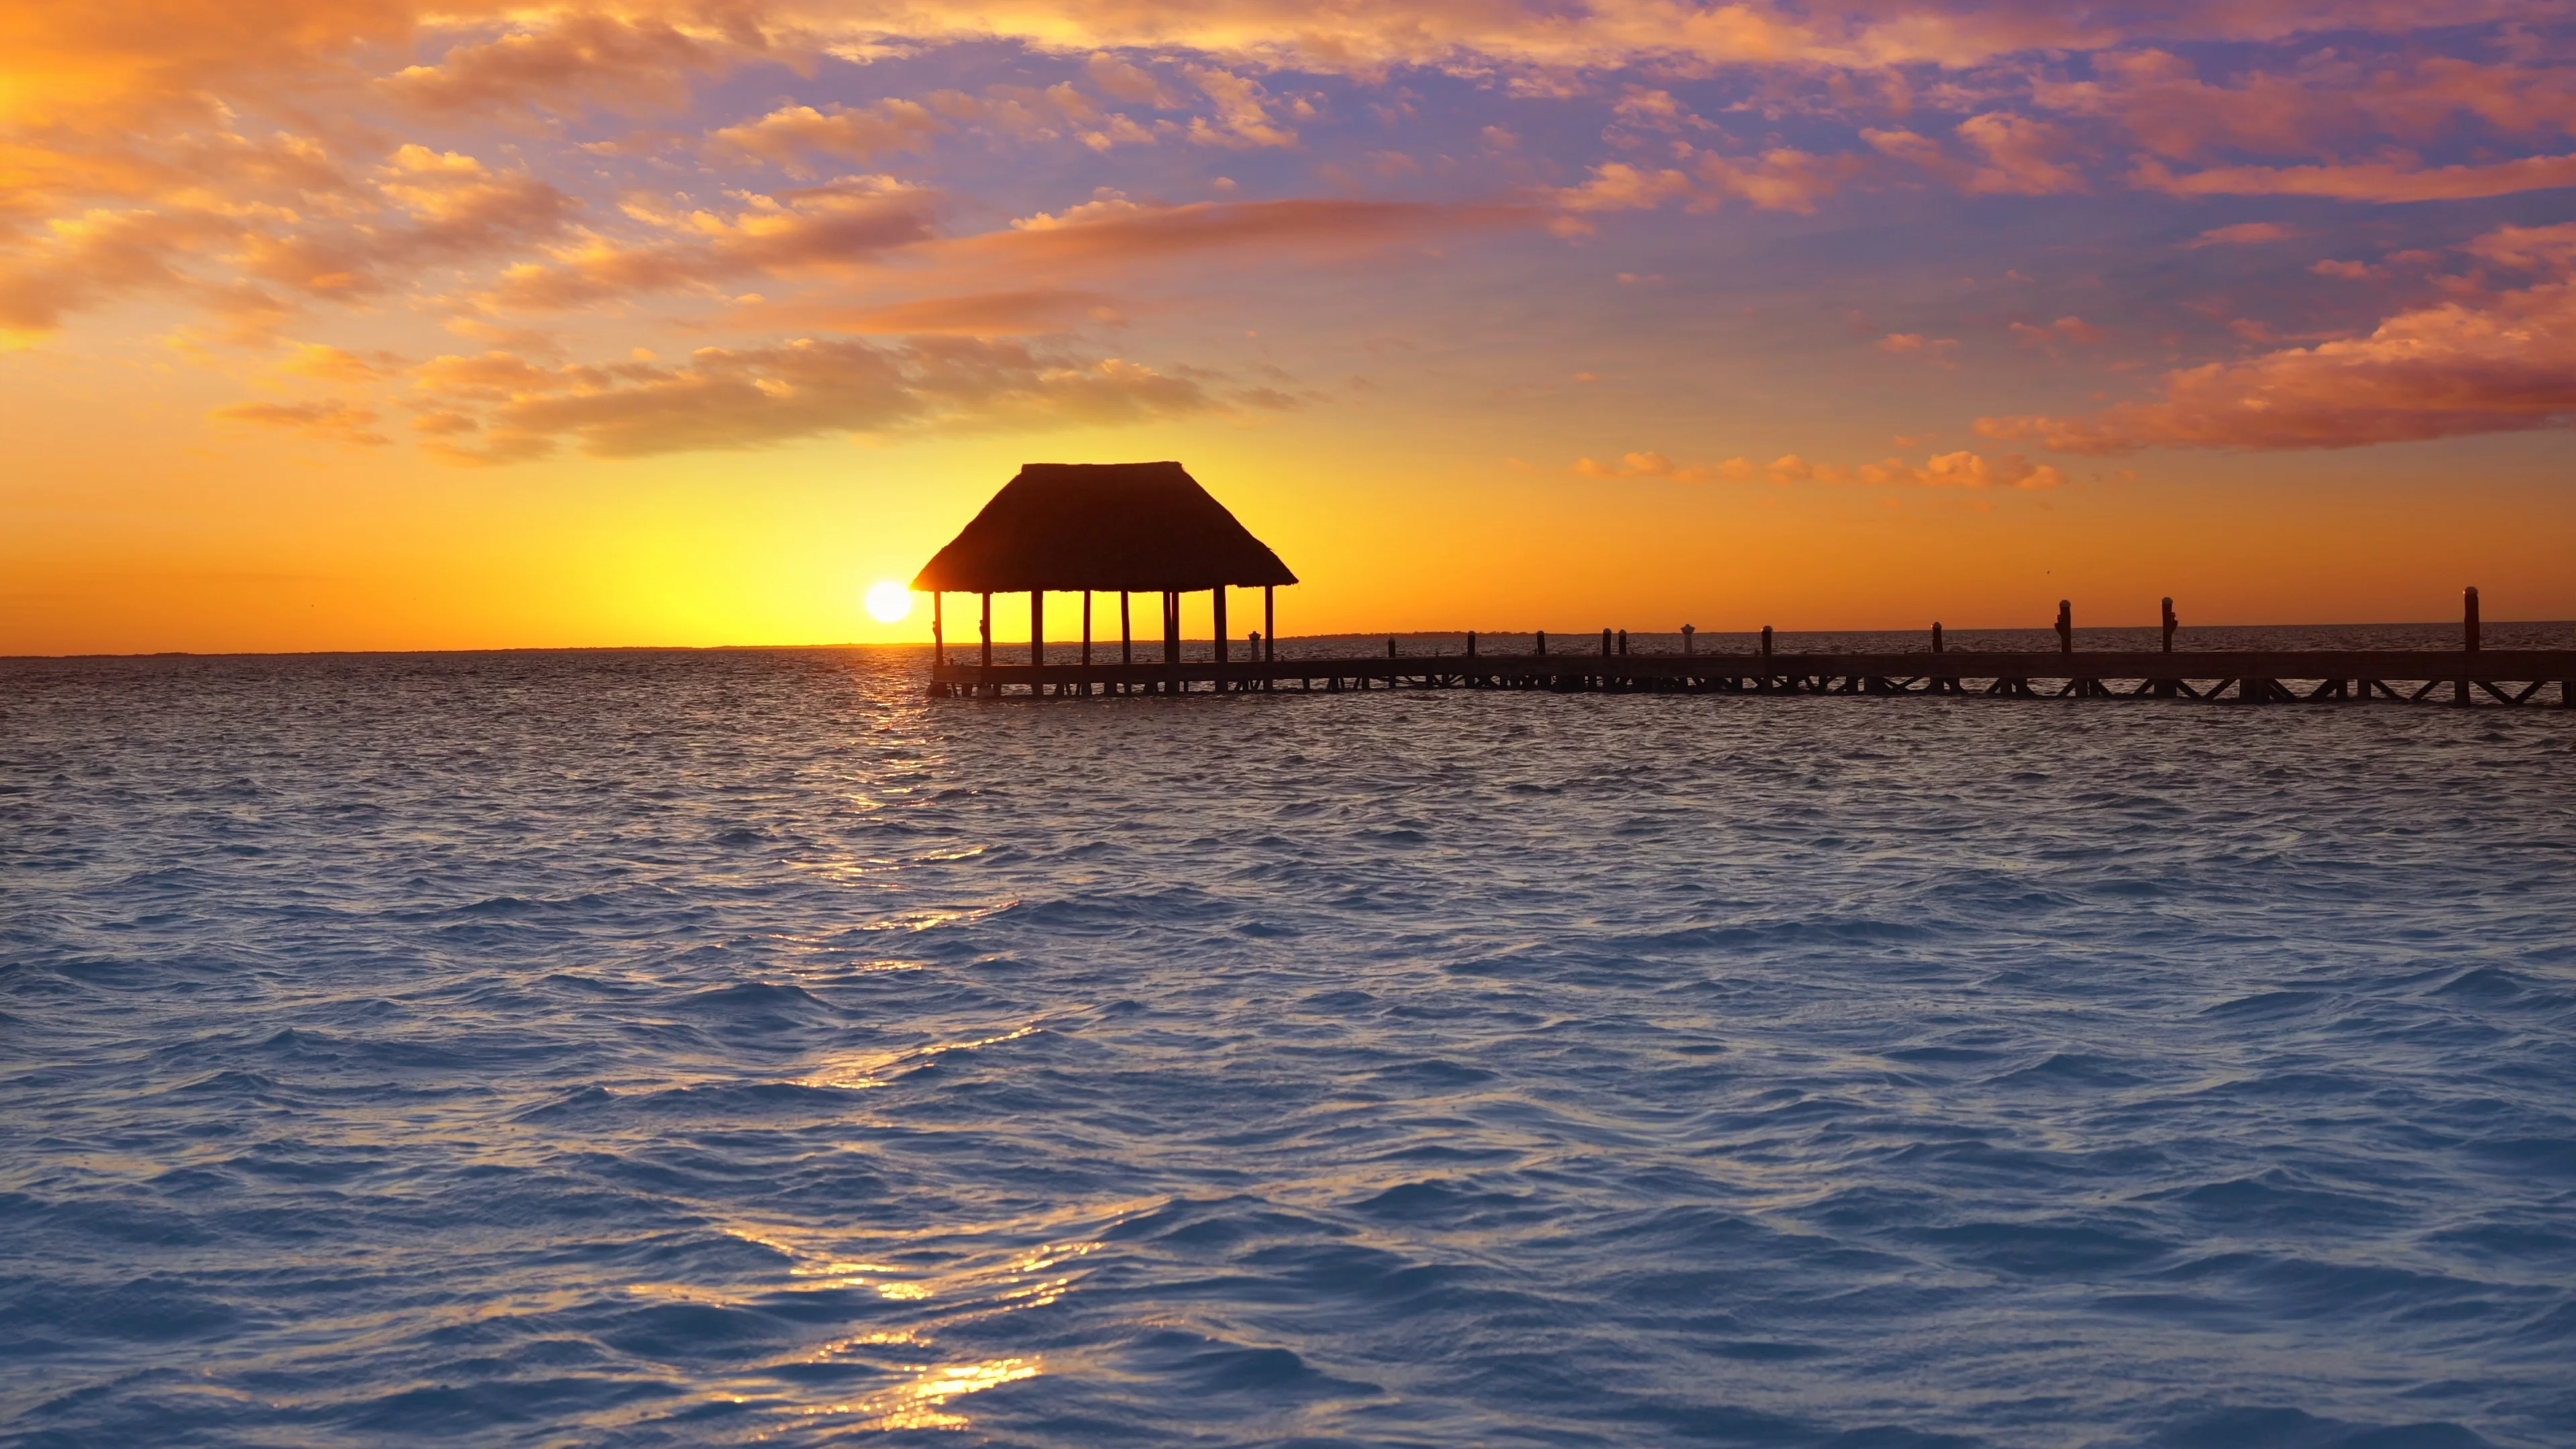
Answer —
1130 528
2494 677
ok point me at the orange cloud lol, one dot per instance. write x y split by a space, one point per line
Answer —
836 227
497 408
1961 469
785 135
571 61
339 422
981 314
1115 230
1937 350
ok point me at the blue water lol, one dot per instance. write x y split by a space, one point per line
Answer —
715 1048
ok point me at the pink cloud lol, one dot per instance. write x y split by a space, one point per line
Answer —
2021 156
2065 331
2493 362
2382 181
2244 233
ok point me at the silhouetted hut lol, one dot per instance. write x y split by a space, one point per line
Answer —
1123 528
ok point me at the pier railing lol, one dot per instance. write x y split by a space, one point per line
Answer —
2451 676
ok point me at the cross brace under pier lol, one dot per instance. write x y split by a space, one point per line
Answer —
2491 677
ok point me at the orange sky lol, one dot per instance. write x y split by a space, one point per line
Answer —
353 324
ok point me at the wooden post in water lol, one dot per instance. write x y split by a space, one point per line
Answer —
988 631
1605 643
1471 643
1623 643
1542 643
1269 624
938 630
2171 624
1390 646
1936 636
1766 641
1126 635
1687 631
2468 642
1037 628
1224 641
2065 627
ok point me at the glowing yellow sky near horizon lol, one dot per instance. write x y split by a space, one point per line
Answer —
345 325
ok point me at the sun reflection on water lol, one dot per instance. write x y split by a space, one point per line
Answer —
921 1403
874 1069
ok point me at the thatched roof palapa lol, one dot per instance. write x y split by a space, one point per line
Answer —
1137 527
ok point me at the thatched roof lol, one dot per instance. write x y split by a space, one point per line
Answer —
1138 526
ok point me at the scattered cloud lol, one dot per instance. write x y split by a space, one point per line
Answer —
570 62
2064 332
1962 469
1939 351
2492 361
2400 180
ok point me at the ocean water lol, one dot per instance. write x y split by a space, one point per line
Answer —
646 1048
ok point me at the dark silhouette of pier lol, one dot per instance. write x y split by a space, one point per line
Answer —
2468 675
1128 528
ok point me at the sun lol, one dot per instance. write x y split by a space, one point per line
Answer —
889 602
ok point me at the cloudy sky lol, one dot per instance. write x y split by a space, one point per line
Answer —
354 323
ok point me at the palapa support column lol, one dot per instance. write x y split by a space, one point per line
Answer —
938 631
987 628
1126 636
1171 627
1037 630
2468 643
1086 632
1224 641
1269 623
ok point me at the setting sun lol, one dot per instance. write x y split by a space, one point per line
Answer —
889 602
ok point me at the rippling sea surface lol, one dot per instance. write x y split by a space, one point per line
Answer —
647 1048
